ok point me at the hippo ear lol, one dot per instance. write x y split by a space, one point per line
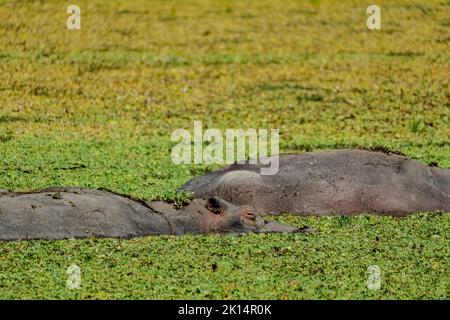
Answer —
214 205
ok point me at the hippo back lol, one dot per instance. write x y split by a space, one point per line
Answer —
61 213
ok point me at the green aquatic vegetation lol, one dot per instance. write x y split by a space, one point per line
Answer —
96 107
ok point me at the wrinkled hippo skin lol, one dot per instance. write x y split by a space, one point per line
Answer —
69 212
339 182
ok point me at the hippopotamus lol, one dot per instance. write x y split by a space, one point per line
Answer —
338 182
71 212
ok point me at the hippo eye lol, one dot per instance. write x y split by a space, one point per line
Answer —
214 205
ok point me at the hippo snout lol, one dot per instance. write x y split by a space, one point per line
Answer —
268 227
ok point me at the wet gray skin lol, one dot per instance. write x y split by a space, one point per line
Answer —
68 212
221 216
338 182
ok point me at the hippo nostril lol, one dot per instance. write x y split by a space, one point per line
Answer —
247 213
250 216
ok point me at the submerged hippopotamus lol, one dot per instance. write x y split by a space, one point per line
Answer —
340 182
69 212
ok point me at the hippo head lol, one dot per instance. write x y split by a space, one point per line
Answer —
216 215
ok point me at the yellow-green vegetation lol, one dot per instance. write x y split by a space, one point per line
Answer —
96 107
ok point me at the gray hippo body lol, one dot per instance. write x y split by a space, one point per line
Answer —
340 182
70 212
